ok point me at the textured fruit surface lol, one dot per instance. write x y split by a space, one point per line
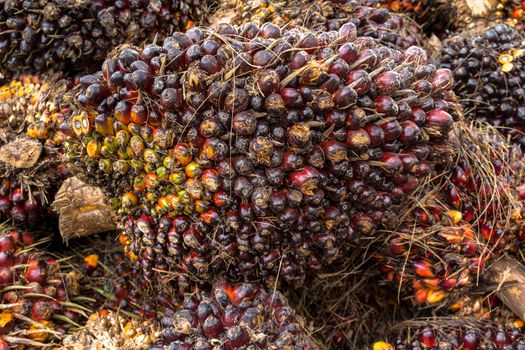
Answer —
259 162
490 74
39 292
238 316
390 28
435 16
472 215
53 34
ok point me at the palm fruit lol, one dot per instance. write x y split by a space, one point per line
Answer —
44 34
31 168
236 316
471 215
456 333
110 331
40 293
390 28
435 16
490 74
228 159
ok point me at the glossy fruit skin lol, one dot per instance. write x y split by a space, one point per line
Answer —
80 35
381 24
228 312
33 287
480 79
496 332
311 160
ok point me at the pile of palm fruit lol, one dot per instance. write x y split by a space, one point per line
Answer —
332 174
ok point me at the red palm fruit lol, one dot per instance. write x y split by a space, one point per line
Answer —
306 180
228 313
35 272
90 262
454 196
391 163
386 105
423 268
438 123
7 244
388 82
6 276
427 337
357 140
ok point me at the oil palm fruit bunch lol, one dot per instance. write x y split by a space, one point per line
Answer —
390 28
40 293
109 330
435 17
489 72
233 316
456 334
44 34
31 168
470 215
263 152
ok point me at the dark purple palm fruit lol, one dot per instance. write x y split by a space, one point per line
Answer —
238 316
438 17
40 297
390 28
39 35
235 159
31 165
489 74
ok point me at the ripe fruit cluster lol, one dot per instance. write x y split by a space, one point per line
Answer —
237 316
490 74
472 216
456 337
390 28
31 108
37 292
435 16
258 151
43 34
